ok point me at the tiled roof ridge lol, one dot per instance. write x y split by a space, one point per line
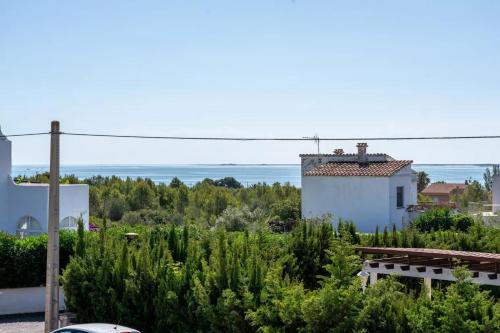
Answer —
350 154
355 169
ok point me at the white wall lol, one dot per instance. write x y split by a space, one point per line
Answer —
29 200
364 200
403 178
74 201
5 169
25 300
32 200
496 193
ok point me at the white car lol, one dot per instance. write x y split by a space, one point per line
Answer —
95 328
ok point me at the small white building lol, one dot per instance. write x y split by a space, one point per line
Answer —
24 207
496 194
369 189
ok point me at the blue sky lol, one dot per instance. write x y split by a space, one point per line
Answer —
250 68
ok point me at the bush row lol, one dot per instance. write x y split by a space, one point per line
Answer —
23 261
173 279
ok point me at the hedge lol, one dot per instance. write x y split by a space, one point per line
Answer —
23 261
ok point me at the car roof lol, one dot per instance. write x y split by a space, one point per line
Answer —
101 328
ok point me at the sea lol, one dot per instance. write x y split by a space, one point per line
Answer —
246 174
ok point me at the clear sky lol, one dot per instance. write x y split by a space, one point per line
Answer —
250 68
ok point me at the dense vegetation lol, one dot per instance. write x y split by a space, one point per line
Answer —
141 201
219 257
442 218
190 279
23 261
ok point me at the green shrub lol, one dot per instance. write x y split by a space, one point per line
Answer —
23 261
442 219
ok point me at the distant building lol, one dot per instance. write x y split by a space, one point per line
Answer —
444 193
24 207
369 189
496 194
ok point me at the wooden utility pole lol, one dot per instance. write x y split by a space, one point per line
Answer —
52 284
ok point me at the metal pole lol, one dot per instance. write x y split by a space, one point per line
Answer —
52 284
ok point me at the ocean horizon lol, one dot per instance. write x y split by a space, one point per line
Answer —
246 174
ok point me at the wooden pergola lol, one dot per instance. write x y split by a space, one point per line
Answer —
430 264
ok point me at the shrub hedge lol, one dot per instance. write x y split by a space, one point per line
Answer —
23 261
442 219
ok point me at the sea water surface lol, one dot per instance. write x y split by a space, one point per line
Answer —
247 174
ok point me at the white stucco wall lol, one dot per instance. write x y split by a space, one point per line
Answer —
74 201
408 181
367 201
25 300
26 200
17 201
364 200
32 200
496 193
5 169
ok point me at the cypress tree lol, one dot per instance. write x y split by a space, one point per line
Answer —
222 276
185 243
244 258
395 241
352 231
376 240
255 281
404 238
80 241
385 237
172 243
102 237
235 272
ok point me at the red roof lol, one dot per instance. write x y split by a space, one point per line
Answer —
443 188
349 169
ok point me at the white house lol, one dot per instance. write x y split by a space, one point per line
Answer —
369 189
496 194
24 207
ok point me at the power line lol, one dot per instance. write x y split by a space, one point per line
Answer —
316 138
23 134
224 138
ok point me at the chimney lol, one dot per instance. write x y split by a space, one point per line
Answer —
339 151
362 158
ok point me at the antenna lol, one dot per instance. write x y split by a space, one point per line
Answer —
316 140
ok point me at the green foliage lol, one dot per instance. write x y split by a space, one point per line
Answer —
488 176
383 308
141 201
23 261
286 209
475 192
442 219
462 307
194 279
228 182
206 261
422 181
235 219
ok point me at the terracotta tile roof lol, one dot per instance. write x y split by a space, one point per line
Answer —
355 154
353 169
442 188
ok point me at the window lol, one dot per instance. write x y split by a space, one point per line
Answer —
400 197
28 226
68 223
